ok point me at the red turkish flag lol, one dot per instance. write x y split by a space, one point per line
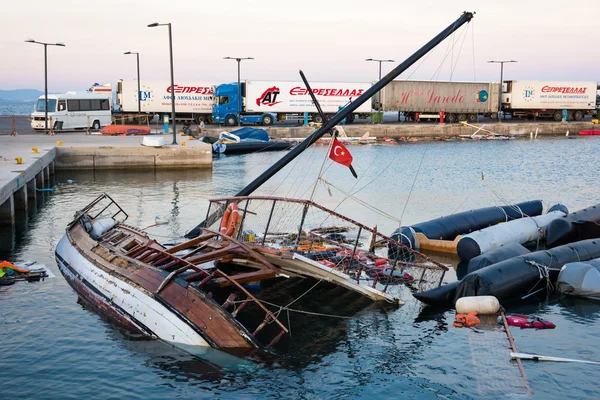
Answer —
340 154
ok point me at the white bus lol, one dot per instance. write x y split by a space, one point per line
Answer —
71 111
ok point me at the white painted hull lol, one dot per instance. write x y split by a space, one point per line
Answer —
129 305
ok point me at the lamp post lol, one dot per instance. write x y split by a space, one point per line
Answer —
379 61
137 55
500 90
172 79
45 76
239 60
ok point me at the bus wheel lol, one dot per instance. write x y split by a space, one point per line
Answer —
230 120
96 125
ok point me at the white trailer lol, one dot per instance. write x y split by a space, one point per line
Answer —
193 100
460 101
539 99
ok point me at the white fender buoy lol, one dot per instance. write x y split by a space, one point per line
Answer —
479 304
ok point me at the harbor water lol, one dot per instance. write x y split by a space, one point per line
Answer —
53 347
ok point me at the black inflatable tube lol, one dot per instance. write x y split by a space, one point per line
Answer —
512 278
495 256
580 225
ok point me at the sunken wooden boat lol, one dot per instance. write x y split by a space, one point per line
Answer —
198 292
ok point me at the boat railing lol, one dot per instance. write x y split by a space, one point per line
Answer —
176 265
102 206
304 227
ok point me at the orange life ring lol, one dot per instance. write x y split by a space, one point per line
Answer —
230 219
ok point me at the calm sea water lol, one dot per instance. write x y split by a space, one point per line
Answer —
22 108
51 347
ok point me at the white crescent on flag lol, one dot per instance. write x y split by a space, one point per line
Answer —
335 149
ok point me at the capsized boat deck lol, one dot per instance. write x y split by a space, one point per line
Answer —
197 292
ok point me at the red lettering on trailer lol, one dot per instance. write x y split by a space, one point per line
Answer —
564 89
191 89
435 98
329 92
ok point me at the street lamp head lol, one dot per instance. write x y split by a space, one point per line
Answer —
153 25
29 40
228 58
369 59
127 52
390 60
61 44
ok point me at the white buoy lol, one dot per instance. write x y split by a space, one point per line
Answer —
480 304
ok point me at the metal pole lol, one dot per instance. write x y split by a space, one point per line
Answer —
340 115
380 69
139 90
172 88
500 91
46 88
239 94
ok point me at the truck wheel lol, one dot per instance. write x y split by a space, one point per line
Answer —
493 115
198 119
577 115
230 120
557 116
316 118
267 120
451 118
462 117
96 125
472 118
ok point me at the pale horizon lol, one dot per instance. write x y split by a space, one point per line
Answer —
329 41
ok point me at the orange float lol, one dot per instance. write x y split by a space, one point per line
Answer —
230 219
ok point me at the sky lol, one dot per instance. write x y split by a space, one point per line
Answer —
328 39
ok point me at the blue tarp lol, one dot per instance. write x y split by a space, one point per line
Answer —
251 133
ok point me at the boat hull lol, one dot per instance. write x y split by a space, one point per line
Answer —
131 307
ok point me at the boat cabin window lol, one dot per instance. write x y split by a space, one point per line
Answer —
62 105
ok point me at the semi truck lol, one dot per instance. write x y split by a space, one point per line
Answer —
459 101
262 102
193 100
546 99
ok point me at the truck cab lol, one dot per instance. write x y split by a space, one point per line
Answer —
225 107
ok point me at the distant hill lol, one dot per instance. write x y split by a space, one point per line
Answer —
19 95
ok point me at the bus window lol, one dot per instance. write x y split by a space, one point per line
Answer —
41 105
62 105
73 105
104 104
85 105
96 105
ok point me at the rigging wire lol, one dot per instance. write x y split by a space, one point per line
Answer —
413 184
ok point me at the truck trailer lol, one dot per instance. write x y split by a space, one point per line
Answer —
193 100
262 102
547 99
460 101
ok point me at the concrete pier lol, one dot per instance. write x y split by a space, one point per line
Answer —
18 182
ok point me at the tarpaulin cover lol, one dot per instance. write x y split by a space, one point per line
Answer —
251 133
496 255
